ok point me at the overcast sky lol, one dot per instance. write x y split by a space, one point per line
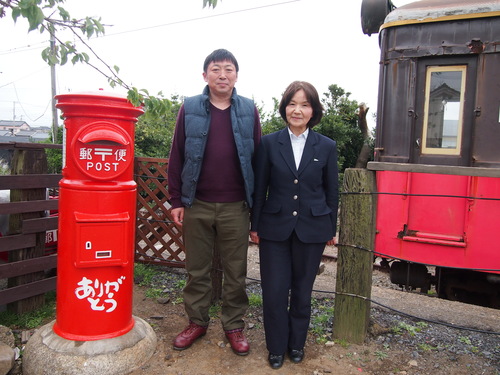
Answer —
160 45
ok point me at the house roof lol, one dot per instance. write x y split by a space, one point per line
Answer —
12 123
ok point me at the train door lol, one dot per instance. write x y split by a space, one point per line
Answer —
444 115
444 122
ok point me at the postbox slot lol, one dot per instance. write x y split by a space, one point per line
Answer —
100 135
82 217
103 254
104 143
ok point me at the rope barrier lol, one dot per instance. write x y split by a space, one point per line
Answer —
365 299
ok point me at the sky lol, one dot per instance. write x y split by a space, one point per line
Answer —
160 45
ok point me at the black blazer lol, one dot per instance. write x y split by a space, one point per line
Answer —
287 199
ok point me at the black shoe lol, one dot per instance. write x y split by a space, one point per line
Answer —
296 356
276 360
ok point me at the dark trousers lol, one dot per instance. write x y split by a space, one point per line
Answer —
288 270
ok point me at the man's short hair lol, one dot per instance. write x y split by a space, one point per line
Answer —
220 55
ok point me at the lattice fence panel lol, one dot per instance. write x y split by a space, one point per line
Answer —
158 238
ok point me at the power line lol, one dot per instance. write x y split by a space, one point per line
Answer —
31 47
204 17
32 73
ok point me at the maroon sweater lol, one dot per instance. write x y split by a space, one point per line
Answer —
220 178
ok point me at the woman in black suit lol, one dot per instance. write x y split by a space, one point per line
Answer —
294 216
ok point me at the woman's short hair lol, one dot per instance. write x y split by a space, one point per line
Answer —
312 97
220 55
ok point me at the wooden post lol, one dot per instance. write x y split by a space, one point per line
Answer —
355 266
27 161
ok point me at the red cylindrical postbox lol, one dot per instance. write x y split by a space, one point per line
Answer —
97 201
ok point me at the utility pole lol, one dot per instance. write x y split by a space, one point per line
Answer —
55 122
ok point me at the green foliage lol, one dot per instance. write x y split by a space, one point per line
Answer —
54 156
144 274
154 293
210 3
411 330
155 128
271 122
254 300
181 284
465 340
321 319
426 347
340 122
60 52
381 355
215 310
342 342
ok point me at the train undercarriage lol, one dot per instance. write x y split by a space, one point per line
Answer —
474 287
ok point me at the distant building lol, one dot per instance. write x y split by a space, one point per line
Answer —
14 126
21 132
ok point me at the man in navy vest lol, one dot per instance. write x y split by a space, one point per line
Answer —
210 180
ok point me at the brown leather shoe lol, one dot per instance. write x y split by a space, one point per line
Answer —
187 337
238 342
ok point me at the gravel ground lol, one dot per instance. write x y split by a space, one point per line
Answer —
410 334
433 342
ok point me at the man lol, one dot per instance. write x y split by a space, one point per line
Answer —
210 180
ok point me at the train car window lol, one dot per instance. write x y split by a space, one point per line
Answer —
443 110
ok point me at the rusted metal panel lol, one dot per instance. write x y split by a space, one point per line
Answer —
486 137
406 51
442 38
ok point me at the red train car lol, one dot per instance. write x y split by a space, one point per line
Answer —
437 146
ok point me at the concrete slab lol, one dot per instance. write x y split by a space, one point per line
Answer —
47 353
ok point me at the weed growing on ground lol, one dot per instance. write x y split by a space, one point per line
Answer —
381 355
254 300
405 327
144 274
426 347
180 284
215 310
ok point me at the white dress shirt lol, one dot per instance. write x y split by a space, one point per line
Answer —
298 144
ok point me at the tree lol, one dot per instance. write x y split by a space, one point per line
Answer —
271 122
340 122
154 132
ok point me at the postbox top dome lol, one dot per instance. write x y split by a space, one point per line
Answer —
96 93
96 102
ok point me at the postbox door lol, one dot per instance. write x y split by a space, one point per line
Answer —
101 239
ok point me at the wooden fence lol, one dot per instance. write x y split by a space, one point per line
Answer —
26 271
158 239
27 267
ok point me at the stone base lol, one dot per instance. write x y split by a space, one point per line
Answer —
47 353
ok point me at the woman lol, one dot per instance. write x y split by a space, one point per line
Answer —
294 216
